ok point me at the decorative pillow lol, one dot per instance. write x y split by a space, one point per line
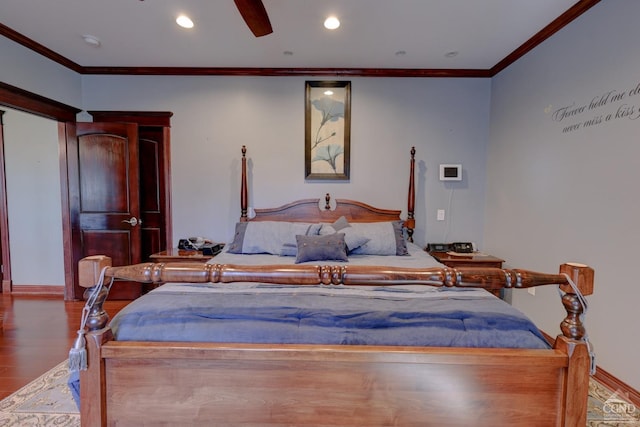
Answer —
385 238
321 248
259 237
352 237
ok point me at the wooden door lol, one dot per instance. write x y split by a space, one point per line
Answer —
106 212
152 189
155 171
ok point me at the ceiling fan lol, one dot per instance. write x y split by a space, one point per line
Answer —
255 15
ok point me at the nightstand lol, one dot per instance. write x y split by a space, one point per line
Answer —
469 260
179 255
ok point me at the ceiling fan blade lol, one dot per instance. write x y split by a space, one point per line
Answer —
255 15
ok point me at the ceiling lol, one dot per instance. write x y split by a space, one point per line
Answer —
138 36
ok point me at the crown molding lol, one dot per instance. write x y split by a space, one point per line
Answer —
11 34
571 14
279 72
556 25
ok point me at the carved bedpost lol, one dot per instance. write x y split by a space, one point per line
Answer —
410 223
327 202
573 342
582 276
89 271
243 187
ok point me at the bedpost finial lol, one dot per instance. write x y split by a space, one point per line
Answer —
581 274
410 223
327 202
244 196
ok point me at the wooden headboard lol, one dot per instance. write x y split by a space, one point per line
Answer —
315 210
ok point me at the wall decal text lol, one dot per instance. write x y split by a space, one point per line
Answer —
580 116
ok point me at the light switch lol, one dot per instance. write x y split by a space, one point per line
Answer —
440 214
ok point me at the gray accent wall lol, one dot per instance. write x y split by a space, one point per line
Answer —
563 172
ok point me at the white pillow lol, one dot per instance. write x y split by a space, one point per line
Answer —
260 237
385 238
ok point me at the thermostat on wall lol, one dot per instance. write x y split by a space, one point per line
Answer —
450 172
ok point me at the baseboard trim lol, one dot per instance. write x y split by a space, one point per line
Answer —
608 380
37 290
6 286
615 384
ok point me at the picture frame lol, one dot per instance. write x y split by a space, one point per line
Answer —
327 130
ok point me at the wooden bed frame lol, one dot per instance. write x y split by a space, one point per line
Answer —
178 383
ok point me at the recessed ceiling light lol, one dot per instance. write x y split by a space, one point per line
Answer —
184 21
328 92
91 40
331 23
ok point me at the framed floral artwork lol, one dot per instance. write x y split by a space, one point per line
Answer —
327 130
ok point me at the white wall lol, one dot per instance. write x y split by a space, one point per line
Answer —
445 119
33 178
30 71
555 196
33 199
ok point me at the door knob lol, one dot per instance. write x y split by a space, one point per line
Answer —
133 221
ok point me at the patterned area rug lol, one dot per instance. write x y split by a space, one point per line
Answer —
47 401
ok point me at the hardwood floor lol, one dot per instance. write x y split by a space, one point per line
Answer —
37 333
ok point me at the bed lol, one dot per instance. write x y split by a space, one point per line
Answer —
334 360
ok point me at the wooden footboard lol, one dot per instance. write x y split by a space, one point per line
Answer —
132 383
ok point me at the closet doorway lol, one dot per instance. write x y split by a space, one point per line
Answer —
64 115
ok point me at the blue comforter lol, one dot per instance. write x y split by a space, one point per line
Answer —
402 315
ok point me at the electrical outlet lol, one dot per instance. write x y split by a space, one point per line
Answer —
440 214
532 291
